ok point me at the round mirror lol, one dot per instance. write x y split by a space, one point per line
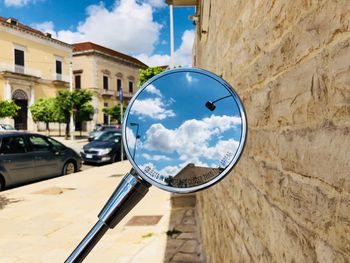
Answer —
184 130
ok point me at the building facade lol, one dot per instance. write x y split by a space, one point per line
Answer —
106 73
32 66
288 198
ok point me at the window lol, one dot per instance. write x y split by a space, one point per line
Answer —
19 61
38 143
77 79
58 67
56 145
12 145
119 84
105 82
131 87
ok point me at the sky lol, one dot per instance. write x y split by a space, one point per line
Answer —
139 28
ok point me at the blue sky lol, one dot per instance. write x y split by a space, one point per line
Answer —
136 27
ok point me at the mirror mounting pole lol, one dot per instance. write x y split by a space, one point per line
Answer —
128 193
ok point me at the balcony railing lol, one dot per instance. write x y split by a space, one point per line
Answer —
106 92
20 69
32 72
58 76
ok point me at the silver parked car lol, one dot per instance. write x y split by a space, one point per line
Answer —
26 157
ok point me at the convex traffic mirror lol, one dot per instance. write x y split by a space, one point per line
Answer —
184 130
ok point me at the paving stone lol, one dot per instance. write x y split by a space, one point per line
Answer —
190 246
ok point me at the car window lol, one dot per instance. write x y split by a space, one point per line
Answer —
38 143
57 145
12 145
109 136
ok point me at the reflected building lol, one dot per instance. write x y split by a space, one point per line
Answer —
192 175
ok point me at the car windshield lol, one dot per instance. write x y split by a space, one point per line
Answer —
7 127
109 136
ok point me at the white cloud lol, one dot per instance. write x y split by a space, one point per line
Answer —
47 27
183 55
155 157
153 90
19 3
191 140
153 108
129 27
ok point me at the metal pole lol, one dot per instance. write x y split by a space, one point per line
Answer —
128 193
172 59
121 121
71 122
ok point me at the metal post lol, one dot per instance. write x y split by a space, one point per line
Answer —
121 121
128 193
71 122
172 59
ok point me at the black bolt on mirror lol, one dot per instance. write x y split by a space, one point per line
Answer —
174 142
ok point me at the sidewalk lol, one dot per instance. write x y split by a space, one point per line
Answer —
44 222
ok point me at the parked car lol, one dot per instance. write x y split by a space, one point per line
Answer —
99 129
6 127
104 149
26 157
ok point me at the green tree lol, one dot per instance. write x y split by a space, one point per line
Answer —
114 112
146 74
8 108
44 110
77 103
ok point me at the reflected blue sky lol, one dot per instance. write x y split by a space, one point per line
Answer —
175 128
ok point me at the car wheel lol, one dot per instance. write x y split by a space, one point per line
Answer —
69 168
116 158
2 183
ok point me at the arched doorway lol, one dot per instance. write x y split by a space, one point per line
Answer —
21 99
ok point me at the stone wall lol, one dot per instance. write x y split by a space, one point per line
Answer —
288 199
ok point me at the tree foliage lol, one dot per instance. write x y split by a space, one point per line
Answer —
146 74
8 108
114 112
77 103
45 110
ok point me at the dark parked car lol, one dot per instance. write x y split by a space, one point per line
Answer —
26 157
104 149
99 129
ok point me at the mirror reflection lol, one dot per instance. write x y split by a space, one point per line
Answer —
183 129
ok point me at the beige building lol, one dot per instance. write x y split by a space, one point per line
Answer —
32 65
105 72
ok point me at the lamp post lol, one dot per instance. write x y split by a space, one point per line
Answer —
136 137
211 104
71 122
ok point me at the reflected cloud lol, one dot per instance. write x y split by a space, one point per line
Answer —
190 79
152 108
130 136
155 157
153 90
195 134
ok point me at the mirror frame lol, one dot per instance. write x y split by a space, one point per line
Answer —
232 163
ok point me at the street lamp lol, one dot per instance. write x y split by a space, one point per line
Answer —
211 104
136 137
